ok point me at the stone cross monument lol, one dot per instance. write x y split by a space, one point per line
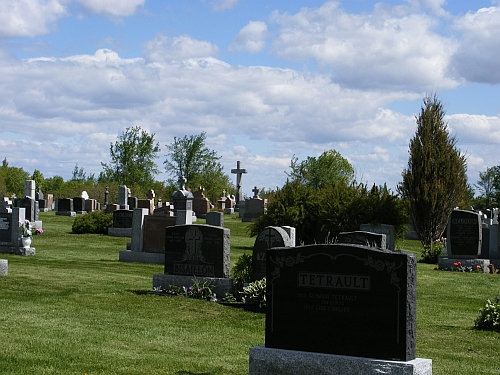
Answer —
239 194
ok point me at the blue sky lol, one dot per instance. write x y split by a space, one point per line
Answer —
265 80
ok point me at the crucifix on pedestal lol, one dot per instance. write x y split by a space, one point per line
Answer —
239 194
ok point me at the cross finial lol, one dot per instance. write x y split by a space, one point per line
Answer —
255 191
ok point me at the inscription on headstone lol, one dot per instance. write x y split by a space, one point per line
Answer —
123 218
5 228
342 299
197 250
464 234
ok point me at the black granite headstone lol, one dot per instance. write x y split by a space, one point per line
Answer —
5 228
65 204
79 204
30 206
132 202
123 218
268 238
197 250
342 299
464 234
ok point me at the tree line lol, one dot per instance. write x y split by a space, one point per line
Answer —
321 196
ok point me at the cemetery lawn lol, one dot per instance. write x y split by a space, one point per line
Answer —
74 309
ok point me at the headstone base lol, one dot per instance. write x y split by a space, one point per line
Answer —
270 361
141 257
66 213
120 232
229 211
4 267
222 285
448 263
17 250
81 212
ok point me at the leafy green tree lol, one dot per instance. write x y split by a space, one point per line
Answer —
190 157
12 179
435 180
326 170
488 186
37 176
132 159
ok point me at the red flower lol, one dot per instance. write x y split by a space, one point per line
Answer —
478 266
456 264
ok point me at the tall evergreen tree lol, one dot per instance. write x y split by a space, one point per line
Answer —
435 180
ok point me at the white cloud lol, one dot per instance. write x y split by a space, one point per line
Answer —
29 18
251 38
113 7
388 48
477 57
163 48
222 5
475 129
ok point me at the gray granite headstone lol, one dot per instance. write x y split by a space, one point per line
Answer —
268 238
29 189
123 197
197 250
362 238
386 229
342 299
215 218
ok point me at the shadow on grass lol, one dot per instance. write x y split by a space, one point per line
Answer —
191 373
139 292
243 248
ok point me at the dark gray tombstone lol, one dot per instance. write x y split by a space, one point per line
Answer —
30 206
268 238
215 218
79 204
123 218
154 232
387 229
5 229
197 250
132 202
363 238
464 235
342 299
65 204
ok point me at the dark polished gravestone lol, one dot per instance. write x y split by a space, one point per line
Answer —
123 218
197 250
342 299
268 238
154 232
464 234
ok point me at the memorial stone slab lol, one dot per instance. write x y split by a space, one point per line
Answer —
197 250
363 238
79 204
146 203
31 208
123 197
65 204
132 202
29 189
268 238
342 299
123 218
215 218
154 232
464 235
386 229
5 229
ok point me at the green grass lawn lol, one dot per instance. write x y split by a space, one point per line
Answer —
74 309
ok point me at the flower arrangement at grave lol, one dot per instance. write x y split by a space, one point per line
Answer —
26 230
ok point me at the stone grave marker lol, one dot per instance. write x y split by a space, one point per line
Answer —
4 267
183 203
10 232
268 238
254 207
154 232
342 299
123 218
363 238
30 205
464 237
79 205
123 192
65 207
215 218
387 229
201 204
132 202
29 189
197 250
239 192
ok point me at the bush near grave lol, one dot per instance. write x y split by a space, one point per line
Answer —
320 215
96 222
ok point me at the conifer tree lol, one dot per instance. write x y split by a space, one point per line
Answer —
435 180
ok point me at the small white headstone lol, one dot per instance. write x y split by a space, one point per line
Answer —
85 195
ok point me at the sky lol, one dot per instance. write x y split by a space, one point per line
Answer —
266 80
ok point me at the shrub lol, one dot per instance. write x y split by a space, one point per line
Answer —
201 290
242 270
490 316
96 222
255 293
